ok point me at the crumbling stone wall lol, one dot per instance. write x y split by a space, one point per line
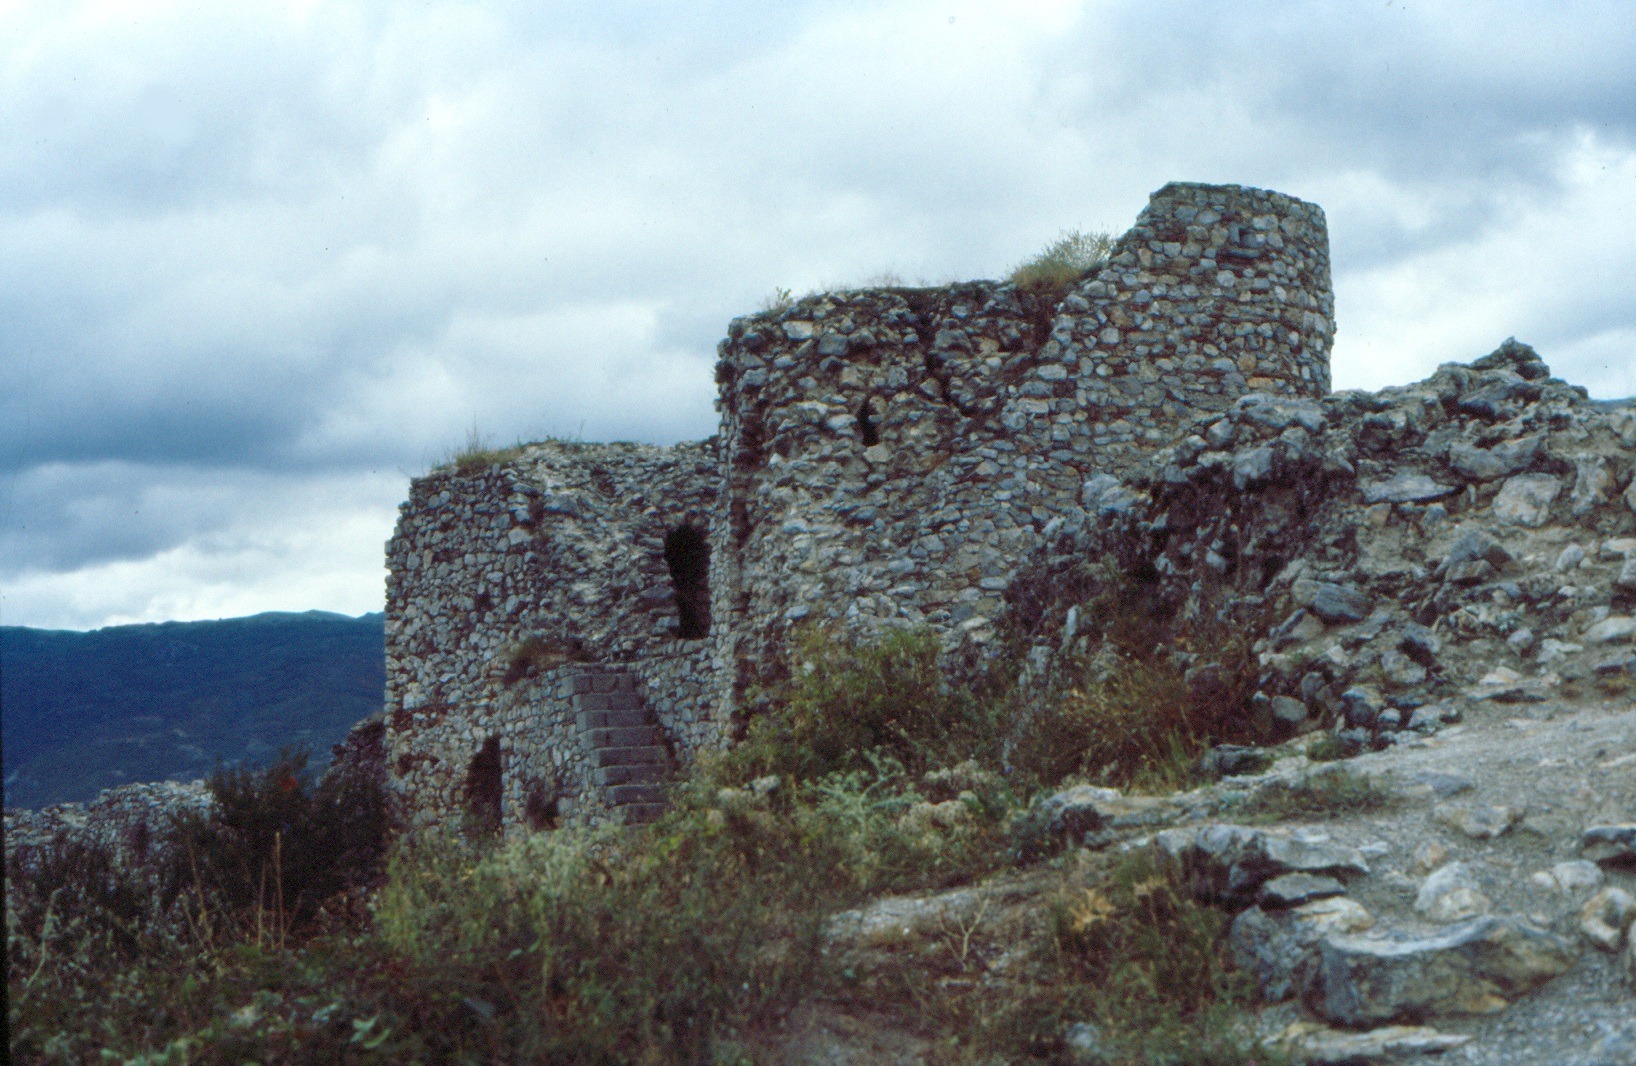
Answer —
1390 554
891 454
886 457
502 582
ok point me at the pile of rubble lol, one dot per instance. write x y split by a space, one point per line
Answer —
133 822
1441 579
1471 534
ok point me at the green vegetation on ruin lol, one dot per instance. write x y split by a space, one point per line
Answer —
696 939
1326 793
477 454
1063 262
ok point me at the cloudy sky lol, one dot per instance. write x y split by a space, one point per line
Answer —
262 263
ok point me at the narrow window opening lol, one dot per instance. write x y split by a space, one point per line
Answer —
866 426
687 553
483 790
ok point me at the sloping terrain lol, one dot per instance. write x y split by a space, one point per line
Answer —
87 711
1536 776
1439 582
1413 610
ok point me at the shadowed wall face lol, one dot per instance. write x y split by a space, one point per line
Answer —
890 453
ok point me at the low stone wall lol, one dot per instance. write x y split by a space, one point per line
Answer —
133 821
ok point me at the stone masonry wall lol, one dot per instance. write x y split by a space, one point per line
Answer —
503 581
891 454
886 457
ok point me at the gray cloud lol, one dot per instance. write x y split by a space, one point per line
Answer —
252 255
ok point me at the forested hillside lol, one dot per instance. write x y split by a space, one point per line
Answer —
86 711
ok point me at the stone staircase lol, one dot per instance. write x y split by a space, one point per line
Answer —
629 763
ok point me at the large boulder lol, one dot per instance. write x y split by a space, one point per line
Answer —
1231 862
1478 967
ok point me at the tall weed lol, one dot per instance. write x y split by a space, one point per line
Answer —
1146 697
1124 948
849 698
276 846
591 947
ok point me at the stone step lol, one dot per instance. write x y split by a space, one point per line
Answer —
641 813
630 737
613 719
621 795
635 756
608 701
590 681
649 774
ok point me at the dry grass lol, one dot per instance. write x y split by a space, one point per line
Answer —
675 942
478 454
1327 793
1063 262
1120 945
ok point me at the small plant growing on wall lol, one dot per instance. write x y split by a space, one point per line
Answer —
780 299
535 654
478 454
1062 263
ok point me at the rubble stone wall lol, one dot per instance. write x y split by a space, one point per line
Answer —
892 454
503 578
886 457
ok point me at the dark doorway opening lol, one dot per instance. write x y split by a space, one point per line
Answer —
687 553
484 790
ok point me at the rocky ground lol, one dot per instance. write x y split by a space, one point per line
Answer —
1440 582
1482 913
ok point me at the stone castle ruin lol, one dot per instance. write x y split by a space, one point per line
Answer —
566 626
1434 583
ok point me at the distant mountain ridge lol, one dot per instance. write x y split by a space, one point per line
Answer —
84 711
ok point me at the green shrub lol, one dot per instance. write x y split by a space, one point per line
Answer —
601 947
1327 747
1155 967
1149 697
684 941
275 846
159 950
1063 262
1325 793
880 832
670 943
851 698
74 888
187 999
1130 722
1123 947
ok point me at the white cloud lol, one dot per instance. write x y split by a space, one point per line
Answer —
1551 271
309 241
266 544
